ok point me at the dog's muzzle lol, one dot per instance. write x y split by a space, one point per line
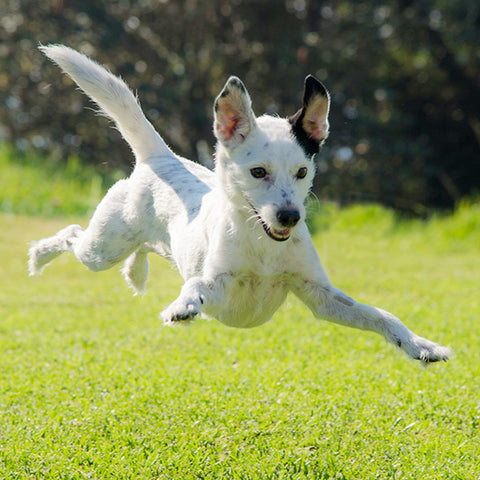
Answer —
287 218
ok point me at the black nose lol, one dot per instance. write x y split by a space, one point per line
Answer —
288 218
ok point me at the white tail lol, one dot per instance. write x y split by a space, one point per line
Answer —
114 98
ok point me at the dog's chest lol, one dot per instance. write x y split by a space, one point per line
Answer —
251 300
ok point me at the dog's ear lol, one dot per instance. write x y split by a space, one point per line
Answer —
310 123
234 117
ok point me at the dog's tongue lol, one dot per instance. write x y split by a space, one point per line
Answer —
282 233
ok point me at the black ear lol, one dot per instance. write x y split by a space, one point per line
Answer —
310 123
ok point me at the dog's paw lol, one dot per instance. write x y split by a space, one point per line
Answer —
426 351
180 312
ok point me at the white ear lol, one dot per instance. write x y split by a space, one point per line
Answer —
234 117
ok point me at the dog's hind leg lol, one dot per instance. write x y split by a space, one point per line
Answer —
41 253
135 270
112 235
99 247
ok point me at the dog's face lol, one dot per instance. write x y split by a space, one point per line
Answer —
265 164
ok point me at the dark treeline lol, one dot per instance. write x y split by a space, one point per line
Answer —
404 77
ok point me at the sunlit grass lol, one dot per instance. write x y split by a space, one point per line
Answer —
36 185
93 386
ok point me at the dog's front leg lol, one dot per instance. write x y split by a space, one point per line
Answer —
329 303
198 294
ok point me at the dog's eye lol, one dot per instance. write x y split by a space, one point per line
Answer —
302 172
258 172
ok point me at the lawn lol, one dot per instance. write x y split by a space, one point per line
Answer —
92 385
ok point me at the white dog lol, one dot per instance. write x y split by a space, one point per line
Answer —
237 235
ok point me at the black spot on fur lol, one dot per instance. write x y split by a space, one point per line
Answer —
236 82
309 145
313 87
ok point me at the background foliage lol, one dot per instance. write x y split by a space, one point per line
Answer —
404 78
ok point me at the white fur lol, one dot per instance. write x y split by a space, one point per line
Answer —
224 230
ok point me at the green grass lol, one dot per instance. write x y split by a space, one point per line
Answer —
42 186
93 386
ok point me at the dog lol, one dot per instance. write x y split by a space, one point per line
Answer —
237 234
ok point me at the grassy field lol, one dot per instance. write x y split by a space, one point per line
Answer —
93 386
34 185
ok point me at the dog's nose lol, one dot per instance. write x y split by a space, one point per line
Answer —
288 218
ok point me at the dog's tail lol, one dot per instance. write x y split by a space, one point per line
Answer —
114 98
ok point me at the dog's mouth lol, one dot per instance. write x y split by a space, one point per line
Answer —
273 233
277 235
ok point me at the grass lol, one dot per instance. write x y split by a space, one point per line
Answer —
93 386
42 186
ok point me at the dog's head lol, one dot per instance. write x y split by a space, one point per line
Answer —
265 164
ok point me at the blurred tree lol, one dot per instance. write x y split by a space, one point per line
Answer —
404 78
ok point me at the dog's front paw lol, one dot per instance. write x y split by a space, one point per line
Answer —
180 312
426 351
